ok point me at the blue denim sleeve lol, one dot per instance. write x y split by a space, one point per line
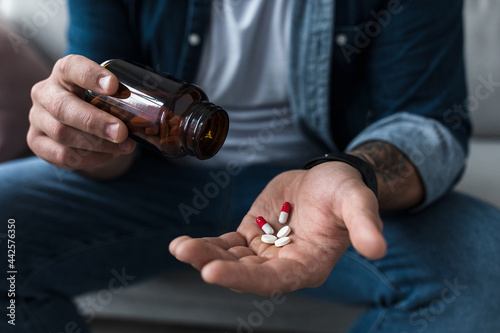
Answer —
100 30
429 145
416 75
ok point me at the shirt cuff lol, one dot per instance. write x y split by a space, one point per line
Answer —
430 146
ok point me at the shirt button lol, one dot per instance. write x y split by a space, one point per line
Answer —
194 39
341 39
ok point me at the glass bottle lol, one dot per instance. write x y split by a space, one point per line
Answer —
162 112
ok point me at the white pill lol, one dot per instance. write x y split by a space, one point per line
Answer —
269 239
282 241
268 229
285 231
283 217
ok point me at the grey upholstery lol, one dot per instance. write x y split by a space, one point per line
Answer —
482 19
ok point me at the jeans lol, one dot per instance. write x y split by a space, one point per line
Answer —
74 235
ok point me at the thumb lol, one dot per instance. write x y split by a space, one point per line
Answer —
361 217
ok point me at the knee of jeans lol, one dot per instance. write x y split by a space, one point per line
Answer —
449 248
470 234
18 176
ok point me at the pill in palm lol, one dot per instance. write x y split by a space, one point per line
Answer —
282 241
285 210
269 239
285 231
266 227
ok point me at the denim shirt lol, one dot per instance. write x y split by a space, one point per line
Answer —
360 70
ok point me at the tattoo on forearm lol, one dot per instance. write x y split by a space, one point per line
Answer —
390 165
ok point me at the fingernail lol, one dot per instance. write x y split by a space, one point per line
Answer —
104 82
112 131
126 146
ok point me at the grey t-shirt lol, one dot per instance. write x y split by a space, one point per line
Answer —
244 69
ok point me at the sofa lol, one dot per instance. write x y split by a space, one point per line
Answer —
183 298
482 40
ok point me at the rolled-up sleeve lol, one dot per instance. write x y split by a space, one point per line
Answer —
429 145
416 77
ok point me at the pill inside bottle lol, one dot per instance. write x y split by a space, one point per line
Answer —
168 115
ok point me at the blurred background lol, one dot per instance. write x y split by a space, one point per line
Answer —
33 38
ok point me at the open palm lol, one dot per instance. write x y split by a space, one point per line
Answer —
331 207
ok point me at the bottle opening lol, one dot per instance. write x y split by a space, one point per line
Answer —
213 134
208 126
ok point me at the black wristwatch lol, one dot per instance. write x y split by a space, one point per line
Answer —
364 168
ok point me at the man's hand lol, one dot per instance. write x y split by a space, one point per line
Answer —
331 208
68 132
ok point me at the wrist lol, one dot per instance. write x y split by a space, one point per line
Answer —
365 169
400 186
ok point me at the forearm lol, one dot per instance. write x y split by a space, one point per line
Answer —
399 184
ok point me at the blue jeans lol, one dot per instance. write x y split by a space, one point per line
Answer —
74 235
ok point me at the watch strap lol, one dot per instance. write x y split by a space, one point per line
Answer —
363 167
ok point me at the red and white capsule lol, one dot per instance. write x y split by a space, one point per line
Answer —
285 210
266 227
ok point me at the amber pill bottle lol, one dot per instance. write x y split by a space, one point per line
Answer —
161 112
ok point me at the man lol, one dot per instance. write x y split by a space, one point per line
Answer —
294 91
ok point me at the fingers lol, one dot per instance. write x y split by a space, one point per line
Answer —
219 263
78 71
361 217
262 278
200 251
357 207
65 157
64 129
74 138
68 109
227 261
